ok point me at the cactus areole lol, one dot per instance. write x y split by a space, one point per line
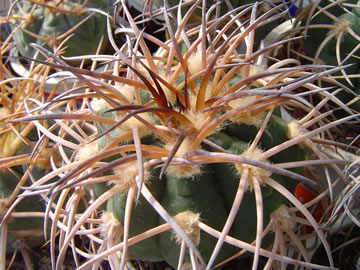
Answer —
49 23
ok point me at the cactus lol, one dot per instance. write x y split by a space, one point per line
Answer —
346 205
193 156
23 158
69 27
332 32
22 217
28 229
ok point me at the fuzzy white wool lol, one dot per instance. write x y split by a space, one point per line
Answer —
184 170
86 151
132 122
127 91
111 227
195 62
246 116
127 174
254 173
99 104
295 130
188 221
283 218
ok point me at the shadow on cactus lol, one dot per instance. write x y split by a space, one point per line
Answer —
193 156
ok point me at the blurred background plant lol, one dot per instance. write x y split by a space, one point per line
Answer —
331 31
22 219
73 28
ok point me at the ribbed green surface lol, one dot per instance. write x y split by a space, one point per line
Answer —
211 194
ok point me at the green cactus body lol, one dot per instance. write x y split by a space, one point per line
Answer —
199 195
46 24
149 249
228 177
143 218
27 229
211 194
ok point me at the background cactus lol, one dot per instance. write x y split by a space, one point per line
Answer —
73 28
193 155
22 159
332 37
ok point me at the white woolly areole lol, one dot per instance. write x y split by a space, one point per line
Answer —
127 174
127 91
195 62
43 158
113 225
184 170
245 117
143 130
295 130
253 70
189 222
342 26
86 151
99 105
283 218
254 173
170 96
197 118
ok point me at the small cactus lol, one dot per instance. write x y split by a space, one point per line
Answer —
73 28
332 32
